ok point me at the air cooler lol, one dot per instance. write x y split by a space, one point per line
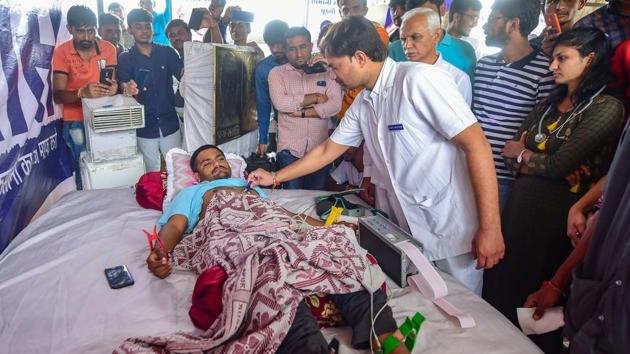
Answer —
110 127
111 159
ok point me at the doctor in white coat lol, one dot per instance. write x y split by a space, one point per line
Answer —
420 131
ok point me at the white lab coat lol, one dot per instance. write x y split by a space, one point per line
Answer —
408 120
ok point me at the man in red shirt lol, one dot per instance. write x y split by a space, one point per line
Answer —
76 71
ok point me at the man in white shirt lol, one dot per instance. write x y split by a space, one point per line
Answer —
420 33
419 128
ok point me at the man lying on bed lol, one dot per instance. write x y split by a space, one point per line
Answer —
272 259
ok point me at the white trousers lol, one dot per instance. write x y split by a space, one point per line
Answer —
151 149
462 267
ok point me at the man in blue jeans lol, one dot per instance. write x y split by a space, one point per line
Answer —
76 72
146 71
274 38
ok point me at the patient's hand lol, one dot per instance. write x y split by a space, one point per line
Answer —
159 263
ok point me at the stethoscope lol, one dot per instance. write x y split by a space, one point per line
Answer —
540 136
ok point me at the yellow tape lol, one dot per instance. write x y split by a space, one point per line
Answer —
333 216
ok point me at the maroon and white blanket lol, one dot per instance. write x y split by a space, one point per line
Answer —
271 265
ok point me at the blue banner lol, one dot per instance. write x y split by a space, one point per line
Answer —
33 155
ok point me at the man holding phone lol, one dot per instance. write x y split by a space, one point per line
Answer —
240 28
77 66
560 16
146 72
305 103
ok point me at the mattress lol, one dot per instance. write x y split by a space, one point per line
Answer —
54 297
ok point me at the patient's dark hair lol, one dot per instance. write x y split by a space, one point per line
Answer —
193 158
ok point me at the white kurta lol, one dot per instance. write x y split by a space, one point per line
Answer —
462 80
408 120
380 178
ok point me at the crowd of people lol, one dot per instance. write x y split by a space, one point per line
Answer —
509 168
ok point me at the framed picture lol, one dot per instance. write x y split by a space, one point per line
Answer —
234 92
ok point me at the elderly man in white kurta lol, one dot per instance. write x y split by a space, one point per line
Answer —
420 34
419 128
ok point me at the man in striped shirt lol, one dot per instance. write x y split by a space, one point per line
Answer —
508 84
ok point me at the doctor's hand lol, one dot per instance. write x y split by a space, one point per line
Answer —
159 263
261 177
488 247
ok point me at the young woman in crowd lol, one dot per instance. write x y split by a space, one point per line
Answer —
575 128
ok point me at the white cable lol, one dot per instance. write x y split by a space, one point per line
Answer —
373 320
372 334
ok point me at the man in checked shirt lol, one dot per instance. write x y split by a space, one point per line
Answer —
305 102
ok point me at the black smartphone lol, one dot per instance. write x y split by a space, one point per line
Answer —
118 277
317 68
143 79
106 74
195 18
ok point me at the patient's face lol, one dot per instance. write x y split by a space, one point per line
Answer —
212 165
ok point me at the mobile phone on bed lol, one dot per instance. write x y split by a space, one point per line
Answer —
552 21
118 277
195 19
106 74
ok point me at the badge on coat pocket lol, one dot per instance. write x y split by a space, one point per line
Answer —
321 83
393 127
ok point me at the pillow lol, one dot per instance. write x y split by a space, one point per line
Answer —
180 175
150 190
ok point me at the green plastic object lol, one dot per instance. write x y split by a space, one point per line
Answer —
409 330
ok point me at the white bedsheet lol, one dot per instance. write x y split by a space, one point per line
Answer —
54 297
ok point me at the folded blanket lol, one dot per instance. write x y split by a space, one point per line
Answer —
271 265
